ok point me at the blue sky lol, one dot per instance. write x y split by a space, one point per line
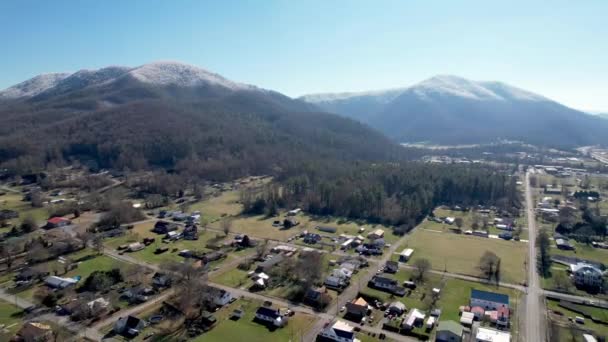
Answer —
558 48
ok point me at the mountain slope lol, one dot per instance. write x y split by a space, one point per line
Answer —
172 115
453 110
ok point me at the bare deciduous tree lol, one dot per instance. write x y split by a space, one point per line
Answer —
421 267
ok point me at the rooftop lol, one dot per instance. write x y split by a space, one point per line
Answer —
490 296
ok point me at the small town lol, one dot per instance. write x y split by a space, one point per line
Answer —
303 171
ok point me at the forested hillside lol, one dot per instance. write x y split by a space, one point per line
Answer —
199 121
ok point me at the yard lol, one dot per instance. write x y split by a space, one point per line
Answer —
583 251
143 230
599 329
457 253
246 327
10 320
13 201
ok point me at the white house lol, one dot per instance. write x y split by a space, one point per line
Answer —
220 297
449 220
270 316
587 275
492 335
339 332
59 282
414 318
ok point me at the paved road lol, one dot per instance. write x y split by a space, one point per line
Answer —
535 305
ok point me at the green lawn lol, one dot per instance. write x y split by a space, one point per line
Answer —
141 231
583 251
458 253
10 318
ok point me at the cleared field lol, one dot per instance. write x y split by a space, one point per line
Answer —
13 201
461 254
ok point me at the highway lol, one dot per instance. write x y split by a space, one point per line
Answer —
535 319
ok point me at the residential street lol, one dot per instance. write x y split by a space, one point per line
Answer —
535 303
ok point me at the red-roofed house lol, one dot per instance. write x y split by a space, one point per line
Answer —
478 311
502 317
55 222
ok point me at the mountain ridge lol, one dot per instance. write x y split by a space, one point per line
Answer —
448 109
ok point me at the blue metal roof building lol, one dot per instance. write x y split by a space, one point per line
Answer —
490 296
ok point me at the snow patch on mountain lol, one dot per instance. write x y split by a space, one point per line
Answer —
384 96
446 85
33 86
180 74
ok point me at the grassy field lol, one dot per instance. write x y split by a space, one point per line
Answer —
143 230
461 254
88 262
12 201
10 319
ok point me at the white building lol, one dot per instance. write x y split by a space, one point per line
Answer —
492 335
587 275
340 332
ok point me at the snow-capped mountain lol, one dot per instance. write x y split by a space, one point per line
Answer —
449 109
184 75
159 74
33 86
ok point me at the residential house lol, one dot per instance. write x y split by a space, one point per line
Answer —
270 316
135 246
219 297
290 222
269 263
129 326
335 282
59 282
357 308
316 296
406 254
340 331
488 300
6 214
449 220
588 275
190 232
492 335
387 284
160 280
391 267
294 212
414 318
30 274
173 236
397 308
564 244
163 227
34 332
312 238
56 222
449 331
376 234
467 318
